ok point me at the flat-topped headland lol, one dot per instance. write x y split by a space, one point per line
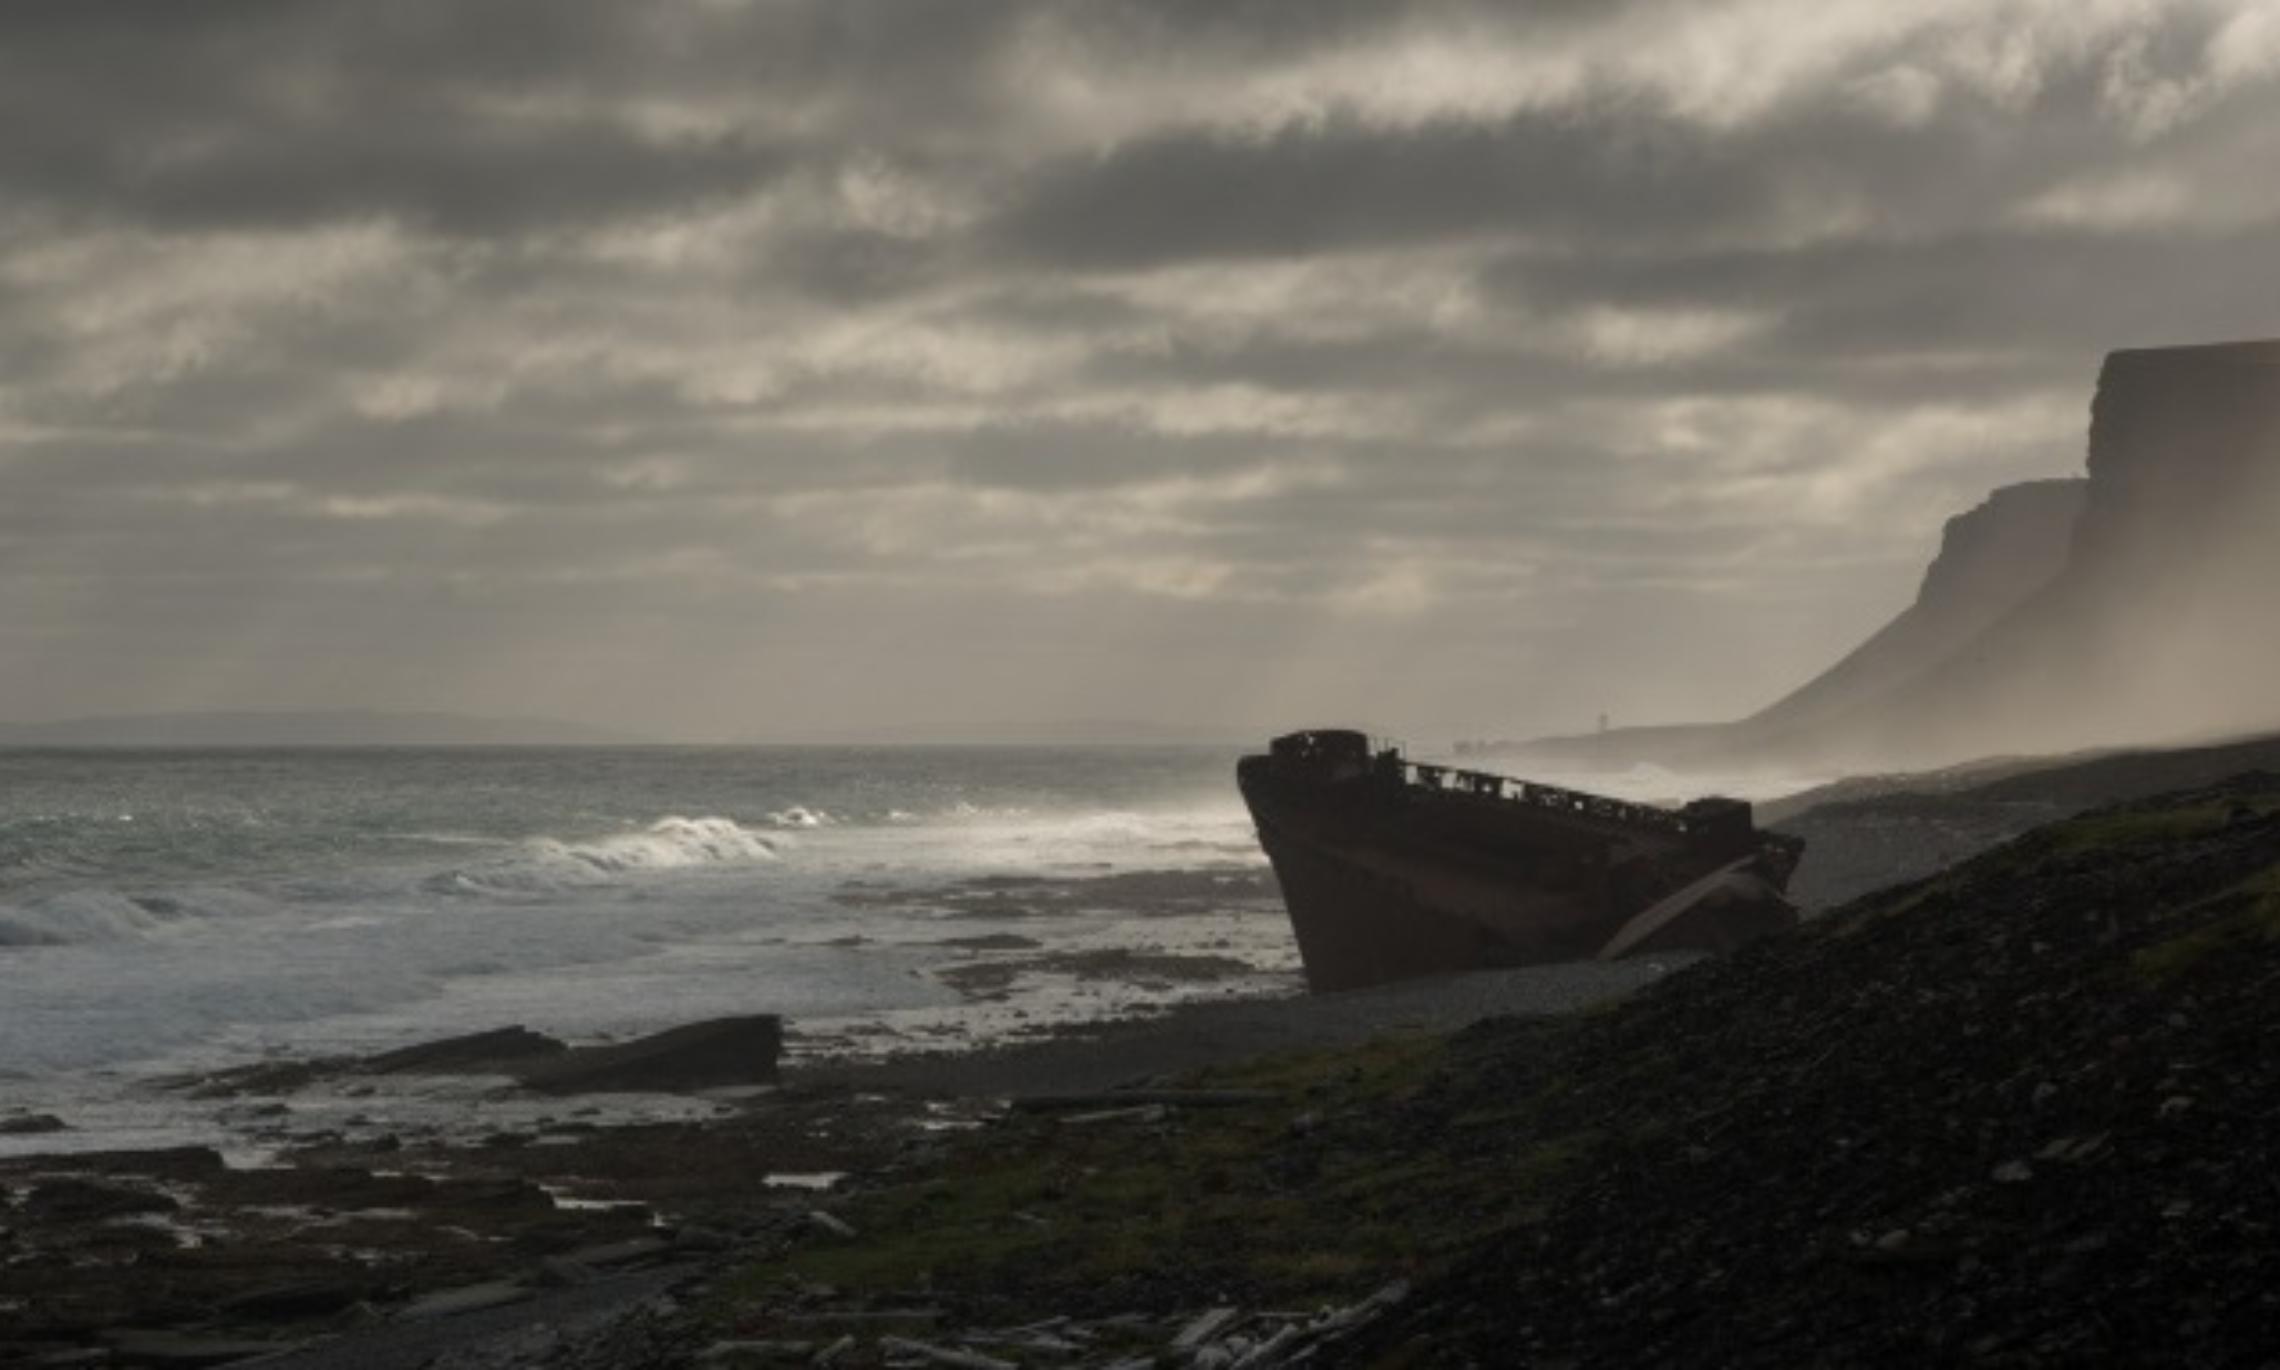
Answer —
2127 606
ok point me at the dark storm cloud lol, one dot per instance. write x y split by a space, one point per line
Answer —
455 179
1306 190
501 116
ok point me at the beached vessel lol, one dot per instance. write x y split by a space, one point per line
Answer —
1393 869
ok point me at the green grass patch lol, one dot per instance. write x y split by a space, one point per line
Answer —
2246 915
2138 827
1324 1194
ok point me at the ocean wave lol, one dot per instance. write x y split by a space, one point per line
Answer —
801 816
75 917
546 864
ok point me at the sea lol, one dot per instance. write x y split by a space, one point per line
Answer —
168 913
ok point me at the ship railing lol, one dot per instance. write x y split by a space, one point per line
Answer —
1529 793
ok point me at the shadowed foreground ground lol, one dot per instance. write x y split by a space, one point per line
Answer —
2013 1115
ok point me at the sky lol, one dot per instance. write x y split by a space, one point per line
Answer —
722 370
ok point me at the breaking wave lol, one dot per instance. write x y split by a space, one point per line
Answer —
801 816
546 864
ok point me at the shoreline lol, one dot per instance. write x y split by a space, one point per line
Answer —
338 1242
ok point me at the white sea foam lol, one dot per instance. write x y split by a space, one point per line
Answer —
544 865
801 816
406 897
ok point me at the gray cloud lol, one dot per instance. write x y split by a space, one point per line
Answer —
808 363
1302 191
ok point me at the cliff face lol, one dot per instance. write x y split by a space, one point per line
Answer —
2162 624
1991 560
2184 465
2141 605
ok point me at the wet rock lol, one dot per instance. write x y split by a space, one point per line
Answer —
179 1163
473 1298
725 1051
995 941
31 1125
86 1201
621 1253
303 1299
267 1077
698 1238
495 1052
562 1272
163 1348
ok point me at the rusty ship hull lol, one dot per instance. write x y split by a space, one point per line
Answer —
1393 870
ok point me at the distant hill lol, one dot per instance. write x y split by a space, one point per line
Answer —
318 728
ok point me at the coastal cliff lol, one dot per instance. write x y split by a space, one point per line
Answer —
1992 559
2130 607
2160 625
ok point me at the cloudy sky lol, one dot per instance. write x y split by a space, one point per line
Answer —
722 369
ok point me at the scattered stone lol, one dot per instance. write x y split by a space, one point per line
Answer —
943 1355
1130 1098
159 1348
621 1253
1203 1328
563 1272
473 1298
1145 1113
859 1317
700 1240
759 1349
830 1222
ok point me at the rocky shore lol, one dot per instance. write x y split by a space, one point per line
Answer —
2013 1114
351 1246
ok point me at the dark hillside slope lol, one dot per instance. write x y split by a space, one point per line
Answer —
2021 1114
1873 834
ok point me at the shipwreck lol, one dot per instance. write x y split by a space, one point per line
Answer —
1394 869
